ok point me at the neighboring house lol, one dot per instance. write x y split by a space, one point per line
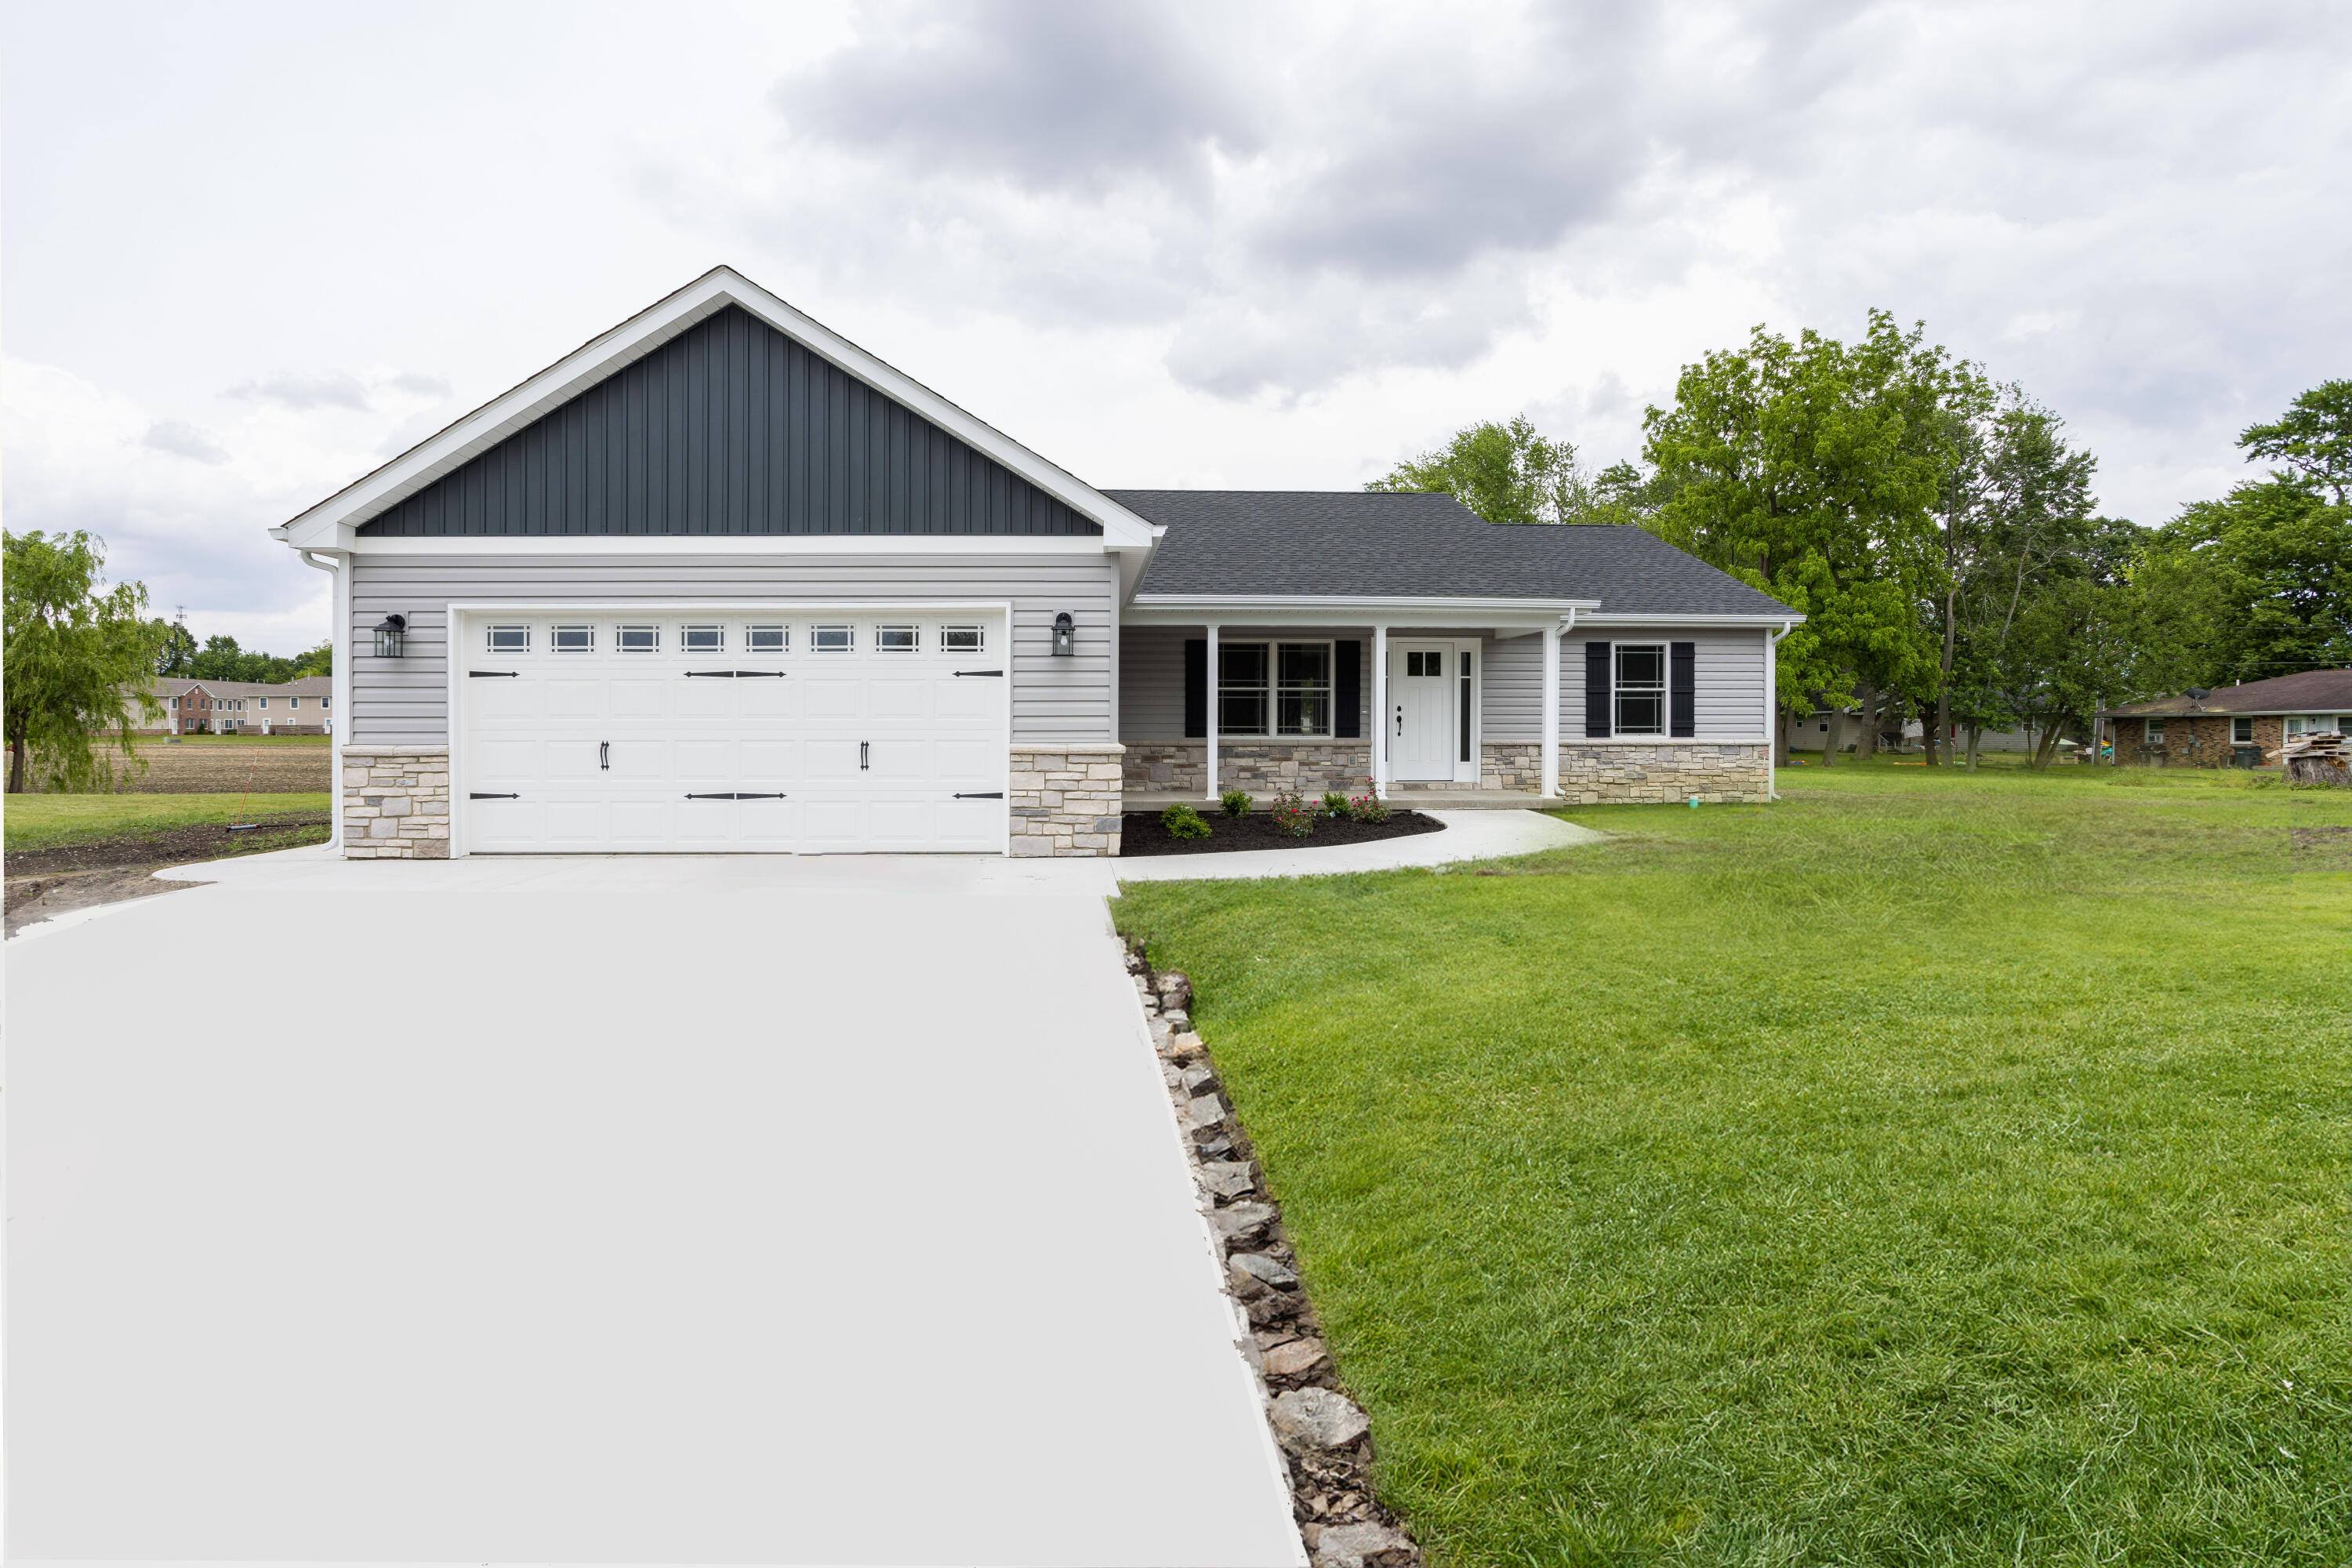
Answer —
2242 726
720 580
301 707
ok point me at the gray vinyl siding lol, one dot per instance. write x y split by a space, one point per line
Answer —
1729 682
1151 673
405 701
730 428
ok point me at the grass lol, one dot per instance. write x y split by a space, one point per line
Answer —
51 821
1925 1169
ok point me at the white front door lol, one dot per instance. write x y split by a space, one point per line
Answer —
638 732
1421 715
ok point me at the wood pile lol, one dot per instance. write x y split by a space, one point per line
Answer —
2319 757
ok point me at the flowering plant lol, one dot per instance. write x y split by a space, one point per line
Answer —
1293 816
1369 806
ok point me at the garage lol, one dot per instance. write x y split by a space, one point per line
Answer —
758 729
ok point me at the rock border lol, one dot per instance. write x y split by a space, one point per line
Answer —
1324 1436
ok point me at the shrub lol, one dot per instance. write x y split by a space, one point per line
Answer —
1335 803
1183 822
1293 816
1236 802
1369 806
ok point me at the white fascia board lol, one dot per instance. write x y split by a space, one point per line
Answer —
1311 609
1789 618
849 546
612 351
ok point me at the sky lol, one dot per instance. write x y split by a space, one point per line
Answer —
248 252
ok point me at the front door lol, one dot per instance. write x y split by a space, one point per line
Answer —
1420 711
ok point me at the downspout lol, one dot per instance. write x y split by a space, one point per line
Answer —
1772 708
339 681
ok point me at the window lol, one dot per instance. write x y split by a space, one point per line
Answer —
2242 732
1302 698
766 640
896 639
575 639
293 702
962 640
265 702
1424 663
2156 731
636 639
1286 684
325 702
833 640
702 639
509 639
1641 688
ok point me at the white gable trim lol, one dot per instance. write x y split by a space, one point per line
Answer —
329 524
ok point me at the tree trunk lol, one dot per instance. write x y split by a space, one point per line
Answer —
17 767
1831 735
2042 752
1975 734
1866 743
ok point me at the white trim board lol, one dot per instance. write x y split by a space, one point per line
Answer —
330 523
845 546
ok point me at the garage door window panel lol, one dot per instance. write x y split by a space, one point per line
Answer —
636 639
573 639
702 639
897 639
963 639
833 639
767 639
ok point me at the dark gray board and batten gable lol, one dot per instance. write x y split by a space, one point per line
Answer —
730 428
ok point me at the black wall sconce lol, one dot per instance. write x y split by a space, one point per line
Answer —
392 636
1065 635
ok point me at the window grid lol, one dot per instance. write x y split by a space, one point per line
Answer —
1284 685
1641 694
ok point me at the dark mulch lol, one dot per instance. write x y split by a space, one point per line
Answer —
174 845
1140 833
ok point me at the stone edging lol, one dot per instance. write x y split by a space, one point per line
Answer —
1325 1439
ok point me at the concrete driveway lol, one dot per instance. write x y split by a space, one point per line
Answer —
703 1211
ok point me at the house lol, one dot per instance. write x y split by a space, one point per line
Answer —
303 707
2240 726
720 580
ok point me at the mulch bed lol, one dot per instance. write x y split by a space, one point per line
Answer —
1140 833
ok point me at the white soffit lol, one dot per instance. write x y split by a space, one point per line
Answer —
327 524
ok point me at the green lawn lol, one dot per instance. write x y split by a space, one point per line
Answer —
47 821
1924 1169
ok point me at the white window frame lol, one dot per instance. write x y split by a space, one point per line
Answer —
621 637
686 631
884 629
2241 722
783 637
490 635
1272 688
1619 690
2155 731
555 639
848 643
979 636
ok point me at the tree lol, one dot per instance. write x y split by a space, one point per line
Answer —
1504 473
2259 583
1810 470
176 649
79 663
2313 438
320 660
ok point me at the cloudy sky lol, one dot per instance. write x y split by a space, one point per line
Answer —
251 251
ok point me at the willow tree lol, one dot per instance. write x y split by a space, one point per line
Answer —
79 661
1813 469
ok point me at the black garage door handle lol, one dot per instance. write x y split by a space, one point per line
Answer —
979 672
733 674
485 674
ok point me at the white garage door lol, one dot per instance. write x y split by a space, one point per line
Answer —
742 733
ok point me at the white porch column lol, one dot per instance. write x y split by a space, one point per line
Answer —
1381 719
1210 679
1551 711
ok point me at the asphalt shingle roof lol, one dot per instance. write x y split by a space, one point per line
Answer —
2308 691
1378 544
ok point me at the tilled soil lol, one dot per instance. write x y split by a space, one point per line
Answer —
44 882
225 770
1140 833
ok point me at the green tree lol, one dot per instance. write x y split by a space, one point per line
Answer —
2259 582
1504 473
2313 438
1810 470
320 660
78 662
176 648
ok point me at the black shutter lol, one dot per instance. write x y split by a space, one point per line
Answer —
1682 689
1348 691
1596 691
1196 688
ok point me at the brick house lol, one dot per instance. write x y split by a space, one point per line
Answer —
2236 726
245 707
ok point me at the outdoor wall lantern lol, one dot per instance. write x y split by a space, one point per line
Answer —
1065 635
392 636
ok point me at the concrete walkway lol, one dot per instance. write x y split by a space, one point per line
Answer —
691 1210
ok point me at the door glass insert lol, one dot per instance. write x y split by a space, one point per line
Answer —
509 639
637 639
896 639
575 639
702 639
833 640
766 640
962 640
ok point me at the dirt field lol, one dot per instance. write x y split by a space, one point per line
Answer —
223 769
45 882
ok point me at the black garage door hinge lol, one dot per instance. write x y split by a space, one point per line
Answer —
778 795
734 674
981 795
979 672
477 795
484 674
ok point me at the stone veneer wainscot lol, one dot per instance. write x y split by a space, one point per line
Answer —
395 802
1066 800
1667 774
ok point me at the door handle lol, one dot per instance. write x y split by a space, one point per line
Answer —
862 754
487 674
979 672
1400 729
604 755
981 795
